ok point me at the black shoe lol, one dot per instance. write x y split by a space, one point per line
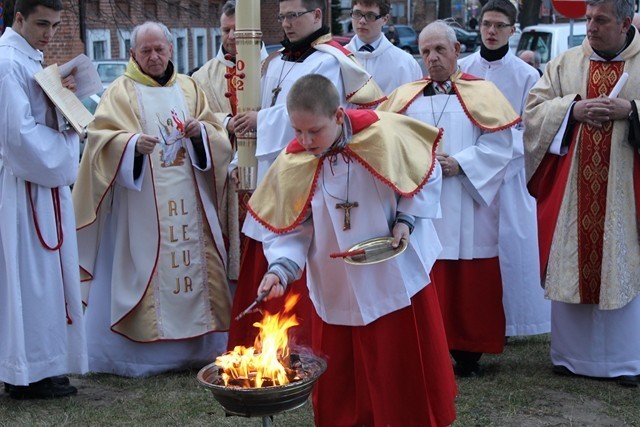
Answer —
58 380
628 380
562 371
43 389
467 370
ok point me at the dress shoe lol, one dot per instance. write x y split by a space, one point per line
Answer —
47 388
467 369
628 380
59 380
563 371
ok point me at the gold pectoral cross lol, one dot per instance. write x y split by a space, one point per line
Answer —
347 206
276 91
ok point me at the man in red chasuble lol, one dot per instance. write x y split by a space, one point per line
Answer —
581 142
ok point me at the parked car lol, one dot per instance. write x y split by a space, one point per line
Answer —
408 38
515 39
91 102
469 40
550 40
110 69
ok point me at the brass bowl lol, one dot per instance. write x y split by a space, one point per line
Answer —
265 401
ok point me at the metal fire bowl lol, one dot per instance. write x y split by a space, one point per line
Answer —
262 402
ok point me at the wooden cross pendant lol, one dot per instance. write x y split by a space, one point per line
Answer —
347 206
276 91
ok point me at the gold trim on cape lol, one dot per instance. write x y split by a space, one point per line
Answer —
481 100
398 151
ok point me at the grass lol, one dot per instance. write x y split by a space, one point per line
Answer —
518 389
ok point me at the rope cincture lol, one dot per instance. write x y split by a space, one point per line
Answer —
55 196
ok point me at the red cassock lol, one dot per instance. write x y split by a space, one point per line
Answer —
408 364
470 295
252 268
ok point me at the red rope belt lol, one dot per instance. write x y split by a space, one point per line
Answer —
55 195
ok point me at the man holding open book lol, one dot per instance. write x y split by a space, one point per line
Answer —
41 320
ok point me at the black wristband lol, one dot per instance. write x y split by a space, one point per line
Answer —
407 223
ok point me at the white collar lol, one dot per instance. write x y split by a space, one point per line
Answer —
375 44
12 39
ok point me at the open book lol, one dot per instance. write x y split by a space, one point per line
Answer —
65 100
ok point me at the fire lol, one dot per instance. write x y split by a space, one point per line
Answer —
263 364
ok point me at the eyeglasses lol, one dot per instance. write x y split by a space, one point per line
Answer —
496 25
369 16
292 16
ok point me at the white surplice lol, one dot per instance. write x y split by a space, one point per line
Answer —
389 65
470 202
41 323
355 295
274 129
525 308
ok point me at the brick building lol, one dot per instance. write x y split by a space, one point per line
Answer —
102 28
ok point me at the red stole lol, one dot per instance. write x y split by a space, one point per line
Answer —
593 175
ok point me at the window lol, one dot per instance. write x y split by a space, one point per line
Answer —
180 50
216 40
124 42
99 44
199 37
99 49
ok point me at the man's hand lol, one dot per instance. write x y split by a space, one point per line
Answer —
271 282
231 126
597 111
192 129
450 166
245 122
146 143
70 81
400 232
234 176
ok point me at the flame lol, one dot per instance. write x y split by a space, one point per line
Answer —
251 367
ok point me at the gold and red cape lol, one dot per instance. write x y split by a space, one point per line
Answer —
481 100
397 150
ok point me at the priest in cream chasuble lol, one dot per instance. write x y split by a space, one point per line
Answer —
151 242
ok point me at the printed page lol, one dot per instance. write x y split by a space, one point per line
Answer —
87 77
66 101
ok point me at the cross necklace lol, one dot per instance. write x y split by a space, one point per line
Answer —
345 204
433 112
276 90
